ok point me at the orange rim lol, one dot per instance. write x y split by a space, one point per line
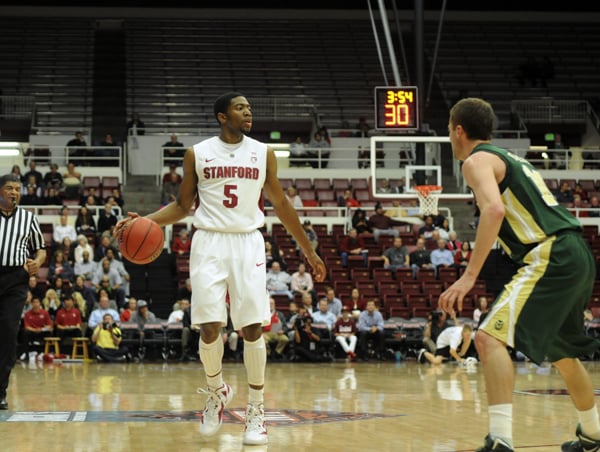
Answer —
426 189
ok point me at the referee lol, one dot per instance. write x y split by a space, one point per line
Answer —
21 239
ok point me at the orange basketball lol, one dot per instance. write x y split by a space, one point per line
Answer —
141 241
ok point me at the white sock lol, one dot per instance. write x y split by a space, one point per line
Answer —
590 423
255 361
211 356
501 422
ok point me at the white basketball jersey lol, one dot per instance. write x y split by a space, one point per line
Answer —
230 181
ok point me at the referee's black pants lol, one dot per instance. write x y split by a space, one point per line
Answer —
13 292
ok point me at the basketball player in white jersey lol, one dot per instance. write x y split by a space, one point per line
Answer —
228 174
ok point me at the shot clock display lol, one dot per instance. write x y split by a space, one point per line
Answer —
396 108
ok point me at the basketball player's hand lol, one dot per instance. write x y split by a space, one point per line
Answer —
121 223
319 270
455 294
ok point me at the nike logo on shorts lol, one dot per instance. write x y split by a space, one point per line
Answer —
208 160
260 263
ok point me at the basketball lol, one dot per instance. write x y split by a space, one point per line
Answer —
141 241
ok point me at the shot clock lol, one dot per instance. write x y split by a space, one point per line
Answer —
396 108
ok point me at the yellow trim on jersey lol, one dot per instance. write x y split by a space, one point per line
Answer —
501 321
520 220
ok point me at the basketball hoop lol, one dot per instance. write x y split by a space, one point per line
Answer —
428 198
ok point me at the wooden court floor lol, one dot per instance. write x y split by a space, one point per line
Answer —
365 406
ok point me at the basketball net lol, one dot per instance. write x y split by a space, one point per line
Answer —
428 198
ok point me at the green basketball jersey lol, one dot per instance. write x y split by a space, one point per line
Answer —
532 213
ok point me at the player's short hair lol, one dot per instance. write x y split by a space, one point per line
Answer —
223 101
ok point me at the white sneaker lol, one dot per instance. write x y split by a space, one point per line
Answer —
256 429
421 356
212 416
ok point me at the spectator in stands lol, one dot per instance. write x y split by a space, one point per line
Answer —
293 197
68 248
276 331
298 153
39 179
135 126
453 244
62 230
82 306
437 321
60 267
16 171
353 244
67 323
108 278
348 200
91 193
87 294
334 304
356 303
594 206
564 195
426 231
324 315
37 325
578 190
102 248
107 339
384 187
463 256
76 149
116 199
311 234
53 178
308 303
142 315
278 281
109 154
274 254
117 264
172 174
444 229
103 308
360 222
182 243
52 198
442 256
362 127
344 331
126 313
370 329
173 151
106 219
381 224
396 256
318 151
36 287
364 157
176 315
51 303
455 342
420 257
306 339
72 182
85 223
480 311
186 290
30 198
302 282
32 184
170 188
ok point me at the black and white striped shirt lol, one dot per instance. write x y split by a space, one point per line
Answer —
20 237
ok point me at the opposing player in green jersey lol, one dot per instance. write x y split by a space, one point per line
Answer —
540 311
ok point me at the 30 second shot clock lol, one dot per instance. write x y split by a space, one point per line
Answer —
396 108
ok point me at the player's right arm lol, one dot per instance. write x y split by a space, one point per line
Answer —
179 208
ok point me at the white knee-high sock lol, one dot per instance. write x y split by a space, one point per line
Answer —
255 361
211 356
